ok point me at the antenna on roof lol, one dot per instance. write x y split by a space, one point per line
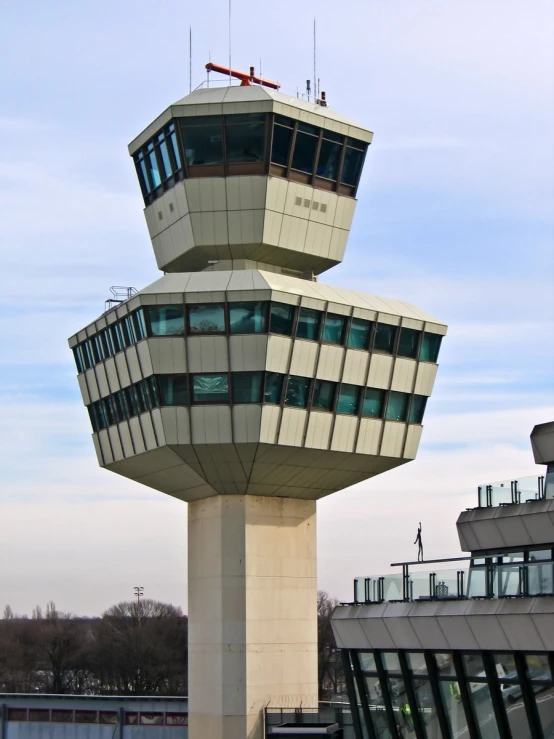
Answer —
230 43
190 58
315 76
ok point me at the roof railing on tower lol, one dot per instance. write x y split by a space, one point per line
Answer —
120 294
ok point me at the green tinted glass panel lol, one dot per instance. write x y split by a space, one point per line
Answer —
359 334
417 408
308 324
304 153
390 661
108 342
348 399
324 395
273 387
79 358
373 402
203 143
210 388
430 345
385 336
352 167
174 389
247 387
280 150
281 319
247 318
206 319
328 162
333 328
140 325
245 138
297 391
166 320
397 406
408 342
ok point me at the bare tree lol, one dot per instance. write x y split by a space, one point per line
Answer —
330 668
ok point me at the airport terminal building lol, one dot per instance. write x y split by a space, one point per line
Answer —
466 651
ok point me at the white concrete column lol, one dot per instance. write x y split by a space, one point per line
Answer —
252 595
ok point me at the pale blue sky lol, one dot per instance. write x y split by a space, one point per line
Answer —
455 214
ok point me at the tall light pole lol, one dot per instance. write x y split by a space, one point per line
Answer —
139 592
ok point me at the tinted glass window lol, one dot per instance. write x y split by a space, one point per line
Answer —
324 395
164 154
122 408
247 318
280 149
130 327
430 346
247 387
308 324
352 166
297 391
359 334
108 342
142 173
328 162
174 389
408 342
153 165
174 146
206 319
348 399
281 319
79 359
140 325
273 387
397 406
384 338
245 138
202 140
166 320
373 403
132 402
98 347
417 408
88 354
210 388
304 152
119 337
333 328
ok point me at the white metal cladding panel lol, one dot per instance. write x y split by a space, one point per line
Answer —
105 446
98 449
393 439
247 421
403 375
81 379
126 442
247 353
148 431
355 367
136 435
111 373
293 424
133 364
304 358
144 358
330 362
271 415
425 378
207 354
92 385
168 355
122 369
319 430
211 424
115 441
413 438
344 434
380 369
278 352
102 380
369 436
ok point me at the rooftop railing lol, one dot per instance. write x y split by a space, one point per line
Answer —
479 578
511 492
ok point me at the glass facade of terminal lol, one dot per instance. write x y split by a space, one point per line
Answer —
255 317
451 695
248 144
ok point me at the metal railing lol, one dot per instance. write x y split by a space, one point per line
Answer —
512 492
483 579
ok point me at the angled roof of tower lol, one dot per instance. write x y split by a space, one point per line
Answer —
253 99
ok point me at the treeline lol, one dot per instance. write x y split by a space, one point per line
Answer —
132 649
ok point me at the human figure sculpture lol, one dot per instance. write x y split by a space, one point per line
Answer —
419 543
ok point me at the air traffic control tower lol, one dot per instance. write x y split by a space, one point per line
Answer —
239 383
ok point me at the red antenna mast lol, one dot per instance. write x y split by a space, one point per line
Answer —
245 78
